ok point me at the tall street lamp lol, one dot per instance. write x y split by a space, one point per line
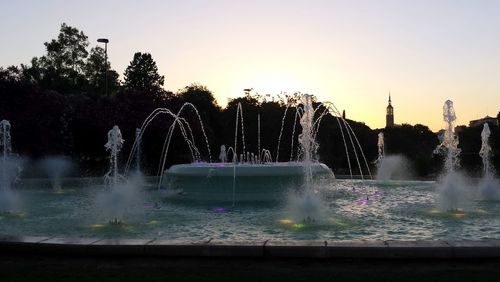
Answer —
105 41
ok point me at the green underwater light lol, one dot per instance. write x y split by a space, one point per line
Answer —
299 226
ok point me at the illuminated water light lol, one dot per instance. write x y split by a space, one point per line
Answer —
299 226
286 221
153 222
459 214
114 227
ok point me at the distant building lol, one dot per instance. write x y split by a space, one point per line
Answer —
481 121
389 117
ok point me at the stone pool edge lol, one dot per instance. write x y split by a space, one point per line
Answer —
327 249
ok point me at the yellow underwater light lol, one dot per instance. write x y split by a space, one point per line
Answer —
97 226
459 214
114 226
285 221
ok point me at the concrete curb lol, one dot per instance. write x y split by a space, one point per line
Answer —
360 249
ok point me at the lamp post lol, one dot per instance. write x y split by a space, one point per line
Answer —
105 41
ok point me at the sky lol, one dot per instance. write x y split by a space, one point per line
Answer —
351 53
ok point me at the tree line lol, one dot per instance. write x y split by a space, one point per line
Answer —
57 106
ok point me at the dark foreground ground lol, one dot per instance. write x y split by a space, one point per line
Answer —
50 268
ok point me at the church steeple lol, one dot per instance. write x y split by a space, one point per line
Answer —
389 117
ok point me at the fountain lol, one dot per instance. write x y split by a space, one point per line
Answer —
249 176
381 148
307 205
304 188
488 186
10 170
485 151
390 167
138 141
5 143
122 199
186 131
452 183
114 146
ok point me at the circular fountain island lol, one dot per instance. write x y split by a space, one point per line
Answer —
249 176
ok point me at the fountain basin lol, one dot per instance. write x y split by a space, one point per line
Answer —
214 181
403 210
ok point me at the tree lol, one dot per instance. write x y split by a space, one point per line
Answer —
95 73
200 96
416 142
203 99
142 74
62 68
11 73
68 52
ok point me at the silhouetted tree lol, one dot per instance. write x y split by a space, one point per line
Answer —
198 95
142 74
250 107
62 68
95 72
416 142
204 101
37 118
11 73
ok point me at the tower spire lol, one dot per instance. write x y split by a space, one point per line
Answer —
389 117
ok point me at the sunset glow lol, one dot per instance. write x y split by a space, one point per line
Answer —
351 53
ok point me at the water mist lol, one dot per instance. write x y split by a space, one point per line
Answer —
56 167
390 167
